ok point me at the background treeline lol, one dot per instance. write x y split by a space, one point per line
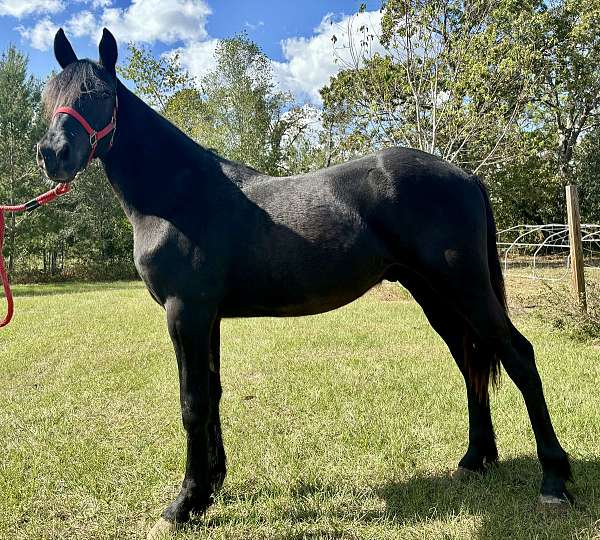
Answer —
509 90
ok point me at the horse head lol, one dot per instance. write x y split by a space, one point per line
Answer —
80 103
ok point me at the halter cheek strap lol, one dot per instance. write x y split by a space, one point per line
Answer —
95 136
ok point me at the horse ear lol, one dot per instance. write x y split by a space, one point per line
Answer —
63 51
108 51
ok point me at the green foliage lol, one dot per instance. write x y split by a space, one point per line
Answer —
234 109
508 89
587 172
559 142
560 307
453 79
567 98
20 127
155 79
242 115
82 235
524 189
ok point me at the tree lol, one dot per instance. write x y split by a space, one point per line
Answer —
558 143
155 79
242 113
20 126
235 109
587 172
567 101
452 79
98 233
87 226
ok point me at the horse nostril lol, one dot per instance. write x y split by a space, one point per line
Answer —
48 159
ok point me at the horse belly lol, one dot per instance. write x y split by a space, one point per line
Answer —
303 278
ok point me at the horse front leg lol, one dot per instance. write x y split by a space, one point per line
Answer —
191 327
216 452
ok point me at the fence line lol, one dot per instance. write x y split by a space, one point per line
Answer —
545 245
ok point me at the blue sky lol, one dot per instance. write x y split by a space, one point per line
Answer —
296 35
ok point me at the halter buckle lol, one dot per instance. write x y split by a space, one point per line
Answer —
93 139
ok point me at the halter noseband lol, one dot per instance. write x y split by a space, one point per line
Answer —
95 136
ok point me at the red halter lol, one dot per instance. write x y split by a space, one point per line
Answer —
95 136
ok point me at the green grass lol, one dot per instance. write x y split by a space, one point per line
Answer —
339 426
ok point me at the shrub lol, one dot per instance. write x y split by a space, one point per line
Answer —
559 306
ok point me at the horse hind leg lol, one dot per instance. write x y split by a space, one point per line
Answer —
494 332
482 450
519 361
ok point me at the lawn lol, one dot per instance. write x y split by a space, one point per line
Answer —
340 426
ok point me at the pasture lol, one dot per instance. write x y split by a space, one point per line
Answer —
340 426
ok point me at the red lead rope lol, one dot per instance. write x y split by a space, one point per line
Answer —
59 190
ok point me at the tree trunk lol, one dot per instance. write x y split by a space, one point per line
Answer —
53 262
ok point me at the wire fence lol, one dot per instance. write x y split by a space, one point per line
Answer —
542 251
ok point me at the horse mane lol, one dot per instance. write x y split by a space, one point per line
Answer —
79 78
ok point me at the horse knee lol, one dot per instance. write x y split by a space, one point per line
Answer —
194 417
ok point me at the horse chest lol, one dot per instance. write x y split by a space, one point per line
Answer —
169 262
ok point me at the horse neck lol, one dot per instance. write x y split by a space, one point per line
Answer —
152 164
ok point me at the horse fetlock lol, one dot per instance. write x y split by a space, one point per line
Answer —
477 460
187 502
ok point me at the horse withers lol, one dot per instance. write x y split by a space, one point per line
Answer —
216 239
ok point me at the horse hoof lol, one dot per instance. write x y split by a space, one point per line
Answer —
553 504
162 529
461 473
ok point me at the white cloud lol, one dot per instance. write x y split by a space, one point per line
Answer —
311 62
96 4
254 26
158 20
143 21
84 23
197 57
21 8
40 36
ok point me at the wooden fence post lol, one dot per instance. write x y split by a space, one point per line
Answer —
576 247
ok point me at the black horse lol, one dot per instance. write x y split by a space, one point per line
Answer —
217 239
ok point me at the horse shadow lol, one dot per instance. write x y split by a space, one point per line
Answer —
501 504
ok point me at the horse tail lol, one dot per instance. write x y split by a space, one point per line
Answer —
495 267
483 365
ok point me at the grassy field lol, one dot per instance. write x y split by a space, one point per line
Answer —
340 426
